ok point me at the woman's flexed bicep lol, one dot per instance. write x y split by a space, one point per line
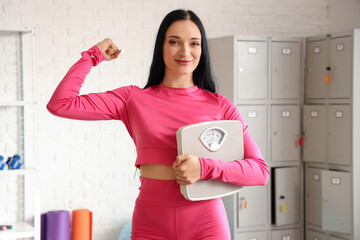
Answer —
66 102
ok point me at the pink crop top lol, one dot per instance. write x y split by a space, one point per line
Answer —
153 115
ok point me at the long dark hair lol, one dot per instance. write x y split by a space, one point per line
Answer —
202 75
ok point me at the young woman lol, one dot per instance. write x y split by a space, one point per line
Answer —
180 91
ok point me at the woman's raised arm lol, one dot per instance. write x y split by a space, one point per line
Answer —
66 102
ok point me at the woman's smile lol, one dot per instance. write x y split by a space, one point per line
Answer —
183 62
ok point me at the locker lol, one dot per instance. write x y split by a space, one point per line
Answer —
285 133
252 70
314 127
341 70
287 234
256 118
261 235
336 201
252 210
285 70
316 63
286 196
313 196
339 134
313 235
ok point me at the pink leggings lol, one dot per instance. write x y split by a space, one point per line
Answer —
161 212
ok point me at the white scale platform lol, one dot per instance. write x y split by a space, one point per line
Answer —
221 140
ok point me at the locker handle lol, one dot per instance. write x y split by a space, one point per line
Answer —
242 203
301 141
327 79
283 207
282 197
328 68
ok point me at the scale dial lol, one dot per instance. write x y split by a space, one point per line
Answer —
213 138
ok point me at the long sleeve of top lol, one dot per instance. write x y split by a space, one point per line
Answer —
67 103
153 115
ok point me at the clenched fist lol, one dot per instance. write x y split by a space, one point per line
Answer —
108 49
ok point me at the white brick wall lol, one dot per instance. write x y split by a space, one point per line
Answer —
91 164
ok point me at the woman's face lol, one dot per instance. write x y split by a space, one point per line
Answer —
182 47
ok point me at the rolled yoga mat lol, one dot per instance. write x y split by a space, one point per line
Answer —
82 224
55 225
43 226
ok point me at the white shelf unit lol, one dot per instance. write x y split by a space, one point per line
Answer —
21 230
18 121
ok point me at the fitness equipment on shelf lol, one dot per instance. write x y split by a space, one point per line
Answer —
2 162
14 162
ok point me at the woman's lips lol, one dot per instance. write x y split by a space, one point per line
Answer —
183 62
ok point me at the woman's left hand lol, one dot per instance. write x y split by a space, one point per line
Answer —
187 169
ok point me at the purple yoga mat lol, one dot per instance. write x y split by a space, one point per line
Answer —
57 225
43 227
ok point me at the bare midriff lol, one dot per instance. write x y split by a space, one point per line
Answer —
157 171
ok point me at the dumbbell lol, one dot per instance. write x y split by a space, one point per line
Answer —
2 162
14 162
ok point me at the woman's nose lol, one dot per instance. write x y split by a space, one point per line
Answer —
185 50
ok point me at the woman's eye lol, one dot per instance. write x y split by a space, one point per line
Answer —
195 44
172 42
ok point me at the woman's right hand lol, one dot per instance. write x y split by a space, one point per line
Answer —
108 49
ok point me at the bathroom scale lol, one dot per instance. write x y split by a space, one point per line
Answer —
221 140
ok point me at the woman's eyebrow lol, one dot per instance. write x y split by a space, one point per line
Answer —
193 38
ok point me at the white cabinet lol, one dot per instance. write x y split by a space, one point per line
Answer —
340 67
262 76
329 66
286 196
285 69
327 134
251 208
316 65
251 236
313 195
19 189
313 235
314 129
285 133
285 234
255 117
336 201
252 65
332 135
339 137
